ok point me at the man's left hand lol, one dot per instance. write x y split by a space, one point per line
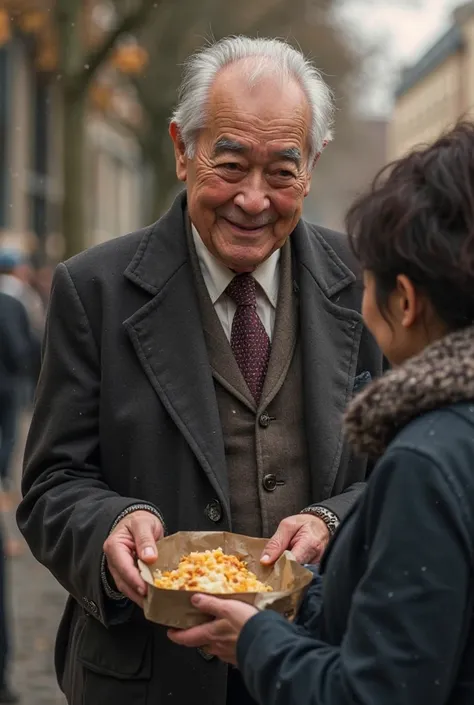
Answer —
220 636
305 535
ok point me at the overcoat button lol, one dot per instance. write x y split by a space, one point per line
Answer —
213 511
264 420
269 482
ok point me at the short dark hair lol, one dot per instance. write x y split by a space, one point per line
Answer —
417 219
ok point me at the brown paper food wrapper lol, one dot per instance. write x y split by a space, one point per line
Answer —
173 608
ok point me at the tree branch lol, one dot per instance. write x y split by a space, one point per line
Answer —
96 56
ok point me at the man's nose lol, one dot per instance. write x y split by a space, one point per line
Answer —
253 196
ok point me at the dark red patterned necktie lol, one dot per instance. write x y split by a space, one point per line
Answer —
249 340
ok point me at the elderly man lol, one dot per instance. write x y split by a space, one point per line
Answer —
194 378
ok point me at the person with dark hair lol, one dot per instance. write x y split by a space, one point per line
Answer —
390 618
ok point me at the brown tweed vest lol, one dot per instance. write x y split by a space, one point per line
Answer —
265 447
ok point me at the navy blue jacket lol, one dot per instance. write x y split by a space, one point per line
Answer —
391 620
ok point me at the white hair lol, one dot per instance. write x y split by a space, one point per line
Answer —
275 55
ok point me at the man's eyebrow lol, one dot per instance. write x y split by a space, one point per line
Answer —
291 154
225 144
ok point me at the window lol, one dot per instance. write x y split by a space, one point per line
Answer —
4 111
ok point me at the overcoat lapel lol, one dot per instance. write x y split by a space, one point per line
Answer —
168 339
330 339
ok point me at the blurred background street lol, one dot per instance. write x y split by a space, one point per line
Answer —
37 602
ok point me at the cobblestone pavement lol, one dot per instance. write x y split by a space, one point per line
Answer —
37 601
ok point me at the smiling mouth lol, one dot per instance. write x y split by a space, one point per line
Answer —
246 228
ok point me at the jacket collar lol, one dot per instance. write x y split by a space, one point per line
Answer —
441 375
315 255
163 250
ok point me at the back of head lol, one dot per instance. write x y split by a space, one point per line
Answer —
259 57
418 220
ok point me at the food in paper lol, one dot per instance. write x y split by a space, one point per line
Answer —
211 572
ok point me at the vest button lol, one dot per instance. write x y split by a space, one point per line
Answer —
269 482
264 420
213 511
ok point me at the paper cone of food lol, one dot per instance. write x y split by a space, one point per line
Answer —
283 587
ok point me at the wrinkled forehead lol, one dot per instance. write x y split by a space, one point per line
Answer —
269 114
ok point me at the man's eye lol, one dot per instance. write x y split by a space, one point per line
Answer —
231 166
286 174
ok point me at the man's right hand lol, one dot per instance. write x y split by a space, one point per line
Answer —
135 536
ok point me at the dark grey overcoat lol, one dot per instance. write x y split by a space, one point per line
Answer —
126 412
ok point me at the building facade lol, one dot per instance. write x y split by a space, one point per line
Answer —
31 162
438 90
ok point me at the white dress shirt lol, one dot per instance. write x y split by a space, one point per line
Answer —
217 277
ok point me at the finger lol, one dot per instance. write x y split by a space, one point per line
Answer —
128 590
305 551
279 542
143 532
195 637
122 566
227 612
223 652
210 605
131 594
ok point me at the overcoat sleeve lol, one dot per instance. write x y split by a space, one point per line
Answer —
67 509
406 628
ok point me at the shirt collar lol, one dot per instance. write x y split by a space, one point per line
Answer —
217 276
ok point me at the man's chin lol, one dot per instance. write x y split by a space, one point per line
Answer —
242 262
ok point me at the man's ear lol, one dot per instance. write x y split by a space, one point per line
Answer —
315 161
179 152
318 155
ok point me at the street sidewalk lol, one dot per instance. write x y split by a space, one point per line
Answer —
37 601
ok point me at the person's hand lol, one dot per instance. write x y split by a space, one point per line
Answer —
134 536
220 636
305 535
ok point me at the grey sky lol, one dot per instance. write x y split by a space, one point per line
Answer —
404 32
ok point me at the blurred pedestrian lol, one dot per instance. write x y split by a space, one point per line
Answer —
17 279
194 376
16 357
391 622
43 280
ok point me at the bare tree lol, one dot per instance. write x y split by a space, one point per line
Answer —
78 64
71 46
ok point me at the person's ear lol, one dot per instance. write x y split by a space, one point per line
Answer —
408 302
179 152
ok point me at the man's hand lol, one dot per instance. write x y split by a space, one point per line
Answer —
133 537
220 636
305 535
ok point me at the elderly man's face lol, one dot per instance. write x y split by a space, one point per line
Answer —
250 173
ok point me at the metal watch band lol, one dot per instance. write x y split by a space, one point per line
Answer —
109 591
330 519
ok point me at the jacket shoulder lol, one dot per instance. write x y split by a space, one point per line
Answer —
337 241
445 437
439 430
107 258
